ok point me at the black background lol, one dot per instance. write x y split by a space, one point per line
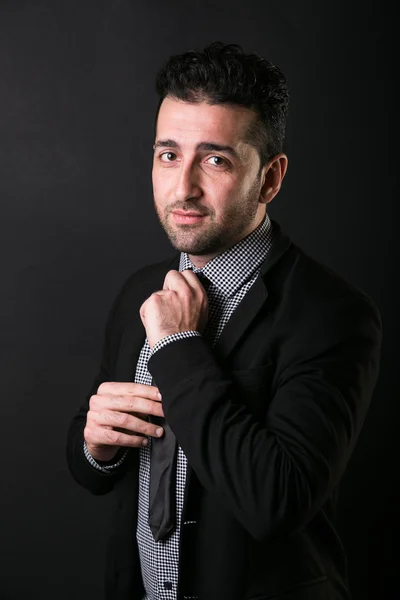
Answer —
77 104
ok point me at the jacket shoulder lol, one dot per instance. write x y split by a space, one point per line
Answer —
330 281
310 282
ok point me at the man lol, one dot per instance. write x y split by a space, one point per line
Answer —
235 376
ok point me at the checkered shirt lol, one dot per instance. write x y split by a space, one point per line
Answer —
231 275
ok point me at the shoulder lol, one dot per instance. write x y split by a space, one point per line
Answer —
328 286
322 318
309 288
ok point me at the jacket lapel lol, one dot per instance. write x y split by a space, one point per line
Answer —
241 318
255 298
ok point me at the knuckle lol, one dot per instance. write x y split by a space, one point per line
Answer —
111 417
87 433
111 436
106 387
143 426
137 406
102 387
90 418
132 403
151 407
93 401
115 401
123 419
136 441
147 427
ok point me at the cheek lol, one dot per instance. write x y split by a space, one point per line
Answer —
158 187
223 194
162 183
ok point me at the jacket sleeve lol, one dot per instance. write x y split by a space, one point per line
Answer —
90 477
273 474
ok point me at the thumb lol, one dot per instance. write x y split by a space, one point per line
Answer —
142 312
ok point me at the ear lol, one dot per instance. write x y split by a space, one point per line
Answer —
272 176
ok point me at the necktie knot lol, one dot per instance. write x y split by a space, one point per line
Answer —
205 282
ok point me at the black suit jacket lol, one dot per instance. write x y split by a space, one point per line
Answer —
267 419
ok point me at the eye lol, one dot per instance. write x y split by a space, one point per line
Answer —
167 156
217 161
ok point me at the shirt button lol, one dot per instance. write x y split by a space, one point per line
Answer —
168 585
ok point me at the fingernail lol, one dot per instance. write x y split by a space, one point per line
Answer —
159 396
159 431
145 442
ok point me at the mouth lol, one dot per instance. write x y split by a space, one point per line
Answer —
187 217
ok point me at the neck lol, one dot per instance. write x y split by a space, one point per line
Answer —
201 261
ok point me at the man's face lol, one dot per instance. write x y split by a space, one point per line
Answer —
205 176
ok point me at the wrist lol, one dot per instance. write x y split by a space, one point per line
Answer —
103 455
164 341
155 339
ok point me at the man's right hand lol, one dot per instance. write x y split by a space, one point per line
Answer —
117 417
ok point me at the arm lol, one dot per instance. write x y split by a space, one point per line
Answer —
273 476
131 407
96 480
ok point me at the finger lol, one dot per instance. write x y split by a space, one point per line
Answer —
110 437
170 276
192 280
127 404
175 281
118 388
123 421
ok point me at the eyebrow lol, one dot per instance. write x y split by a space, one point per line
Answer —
201 147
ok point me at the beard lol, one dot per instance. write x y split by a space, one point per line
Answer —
211 236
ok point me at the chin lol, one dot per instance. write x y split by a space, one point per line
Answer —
185 238
199 249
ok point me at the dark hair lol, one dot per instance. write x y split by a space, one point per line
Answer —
224 74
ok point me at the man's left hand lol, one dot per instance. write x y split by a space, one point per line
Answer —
181 305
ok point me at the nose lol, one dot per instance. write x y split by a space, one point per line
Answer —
188 184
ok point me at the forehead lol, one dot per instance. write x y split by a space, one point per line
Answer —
220 123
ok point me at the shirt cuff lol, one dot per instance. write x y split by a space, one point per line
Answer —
102 467
172 338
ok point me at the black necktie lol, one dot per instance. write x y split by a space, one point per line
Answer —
162 501
162 481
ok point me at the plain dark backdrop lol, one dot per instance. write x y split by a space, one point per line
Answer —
77 103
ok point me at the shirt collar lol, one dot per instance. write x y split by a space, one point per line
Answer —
231 269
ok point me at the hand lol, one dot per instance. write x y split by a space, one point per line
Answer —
181 305
117 417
